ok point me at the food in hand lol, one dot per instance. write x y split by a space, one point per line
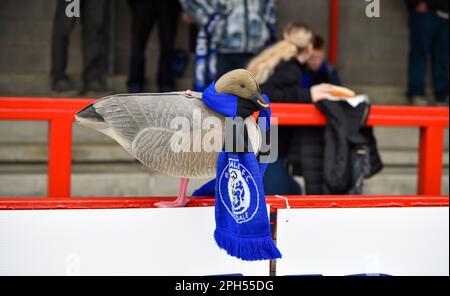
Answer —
342 92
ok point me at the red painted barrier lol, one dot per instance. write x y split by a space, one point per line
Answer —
347 201
59 112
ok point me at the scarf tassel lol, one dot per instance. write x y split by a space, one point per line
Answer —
247 249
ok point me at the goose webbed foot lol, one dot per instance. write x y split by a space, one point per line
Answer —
178 203
182 199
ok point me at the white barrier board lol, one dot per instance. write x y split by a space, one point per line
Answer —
115 242
394 241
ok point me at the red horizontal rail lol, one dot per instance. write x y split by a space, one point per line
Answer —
404 116
274 202
59 112
288 114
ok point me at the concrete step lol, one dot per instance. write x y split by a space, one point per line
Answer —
131 179
135 180
38 85
112 153
31 132
399 182
396 181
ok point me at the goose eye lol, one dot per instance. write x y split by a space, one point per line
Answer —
242 85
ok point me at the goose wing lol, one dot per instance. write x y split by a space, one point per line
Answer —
160 129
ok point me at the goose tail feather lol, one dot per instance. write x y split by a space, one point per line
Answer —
90 118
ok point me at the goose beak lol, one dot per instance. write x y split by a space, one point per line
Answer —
260 101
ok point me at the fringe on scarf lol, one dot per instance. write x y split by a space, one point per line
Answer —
248 248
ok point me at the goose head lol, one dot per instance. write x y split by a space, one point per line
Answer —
242 84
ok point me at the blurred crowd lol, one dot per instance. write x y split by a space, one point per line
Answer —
233 34
230 33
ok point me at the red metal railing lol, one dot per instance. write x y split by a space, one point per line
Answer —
333 31
275 203
60 114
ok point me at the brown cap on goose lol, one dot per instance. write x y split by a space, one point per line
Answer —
241 83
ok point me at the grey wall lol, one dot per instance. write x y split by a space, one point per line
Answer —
372 51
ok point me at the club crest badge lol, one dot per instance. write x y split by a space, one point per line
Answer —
238 192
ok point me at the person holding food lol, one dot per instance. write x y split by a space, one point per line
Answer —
318 70
280 70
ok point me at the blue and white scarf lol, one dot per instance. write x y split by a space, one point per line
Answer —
242 222
205 56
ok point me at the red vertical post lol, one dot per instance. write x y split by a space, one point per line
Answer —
431 148
333 43
59 156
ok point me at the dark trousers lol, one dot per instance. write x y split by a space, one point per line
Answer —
277 180
428 37
93 16
145 15
231 61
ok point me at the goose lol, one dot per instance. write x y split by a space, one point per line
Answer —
143 124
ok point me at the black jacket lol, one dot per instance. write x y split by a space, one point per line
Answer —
284 84
351 152
301 147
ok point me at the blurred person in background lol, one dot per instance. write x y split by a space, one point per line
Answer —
145 14
332 160
242 28
318 70
280 70
93 15
428 23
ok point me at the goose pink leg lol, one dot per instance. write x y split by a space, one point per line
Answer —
181 201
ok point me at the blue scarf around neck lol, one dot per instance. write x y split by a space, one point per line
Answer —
242 221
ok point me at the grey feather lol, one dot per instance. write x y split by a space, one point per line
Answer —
141 123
